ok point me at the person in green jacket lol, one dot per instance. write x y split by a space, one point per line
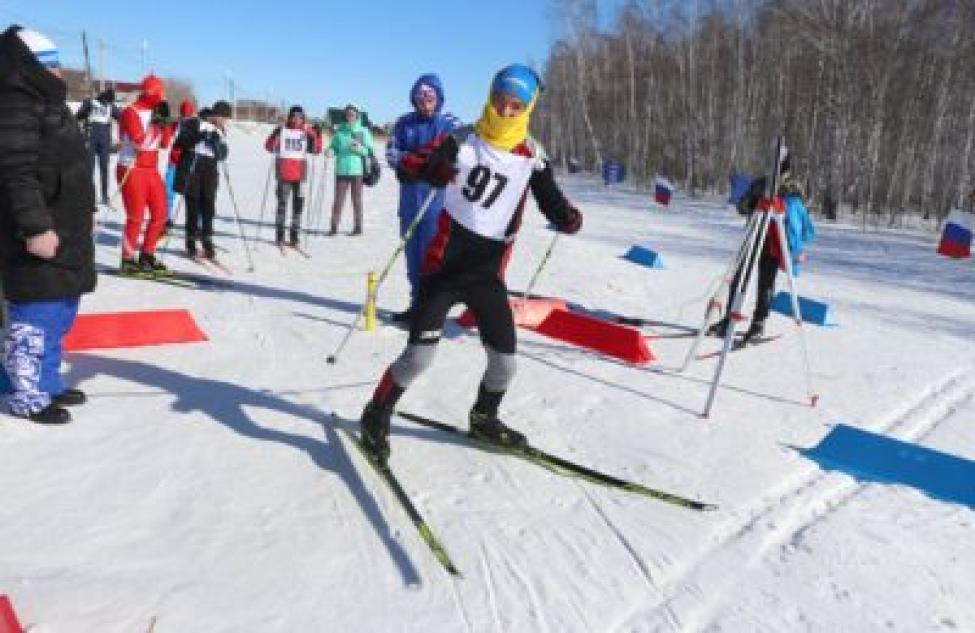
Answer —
351 144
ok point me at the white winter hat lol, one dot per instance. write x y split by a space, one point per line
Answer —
42 47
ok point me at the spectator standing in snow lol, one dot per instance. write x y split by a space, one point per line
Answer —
351 144
97 115
202 144
186 112
47 206
411 132
291 143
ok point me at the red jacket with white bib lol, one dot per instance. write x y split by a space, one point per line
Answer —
292 144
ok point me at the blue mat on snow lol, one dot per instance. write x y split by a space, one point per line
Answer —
870 457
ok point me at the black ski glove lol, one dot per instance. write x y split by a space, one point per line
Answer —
572 223
160 113
439 170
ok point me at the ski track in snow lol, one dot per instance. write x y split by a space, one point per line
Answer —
694 596
639 565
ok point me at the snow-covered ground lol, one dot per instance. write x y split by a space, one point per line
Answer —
205 487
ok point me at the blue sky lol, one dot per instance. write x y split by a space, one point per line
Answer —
314 53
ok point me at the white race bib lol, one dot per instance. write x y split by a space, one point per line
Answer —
294 144
490 183
100 113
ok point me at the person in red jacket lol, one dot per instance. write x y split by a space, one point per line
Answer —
144 130
186 111
292 143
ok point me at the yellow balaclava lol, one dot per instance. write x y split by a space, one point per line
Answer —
503 132
508 132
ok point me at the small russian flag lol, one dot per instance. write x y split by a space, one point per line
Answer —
662 190
956 240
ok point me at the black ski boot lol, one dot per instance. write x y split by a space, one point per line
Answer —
190 247
129 268
374 431
51 414
756 332
719 329
485 425
152 266
70 398
209 251
489 428
374 423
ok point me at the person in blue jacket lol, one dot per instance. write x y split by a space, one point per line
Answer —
799 231
411 132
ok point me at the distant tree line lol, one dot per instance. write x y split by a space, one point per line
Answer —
875 97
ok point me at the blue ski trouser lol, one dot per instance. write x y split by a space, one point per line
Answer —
32 352
416 246
170 192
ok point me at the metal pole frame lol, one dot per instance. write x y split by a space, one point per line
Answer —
716 300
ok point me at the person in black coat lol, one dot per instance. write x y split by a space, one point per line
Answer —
47 204
97 115
203 145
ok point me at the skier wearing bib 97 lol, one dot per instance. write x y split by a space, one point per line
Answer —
487 172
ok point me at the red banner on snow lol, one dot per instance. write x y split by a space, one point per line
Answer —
132 329
552 319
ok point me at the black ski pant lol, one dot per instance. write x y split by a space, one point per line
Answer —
201 207
487 300
768 267
99 148
294 190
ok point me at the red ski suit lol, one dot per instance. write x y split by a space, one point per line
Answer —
138 174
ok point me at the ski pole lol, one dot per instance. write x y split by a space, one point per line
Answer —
334 356
267 186
794 296
310 200
182 200
321 190
240 228
121 185
538 270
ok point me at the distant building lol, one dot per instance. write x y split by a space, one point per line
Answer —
256 110
125 91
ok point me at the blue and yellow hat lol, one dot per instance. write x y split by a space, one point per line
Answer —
519 81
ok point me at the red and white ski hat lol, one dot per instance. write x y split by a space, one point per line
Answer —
43 48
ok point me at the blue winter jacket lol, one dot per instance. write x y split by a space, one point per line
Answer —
799 230
410 133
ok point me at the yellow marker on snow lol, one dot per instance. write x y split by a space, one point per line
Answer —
372 282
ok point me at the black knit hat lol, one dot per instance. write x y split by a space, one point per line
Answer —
107 96
221 108
296 109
